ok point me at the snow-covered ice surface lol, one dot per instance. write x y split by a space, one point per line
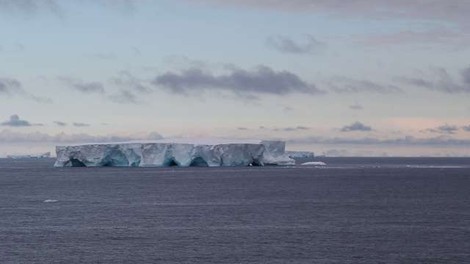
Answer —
180 152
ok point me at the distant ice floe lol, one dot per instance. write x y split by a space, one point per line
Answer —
50 201
29 156
314 163
181 153
300 154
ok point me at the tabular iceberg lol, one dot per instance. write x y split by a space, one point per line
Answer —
300 154
169 153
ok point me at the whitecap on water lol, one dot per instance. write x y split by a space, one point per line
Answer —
50 201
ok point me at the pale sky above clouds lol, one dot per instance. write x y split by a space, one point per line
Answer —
359 77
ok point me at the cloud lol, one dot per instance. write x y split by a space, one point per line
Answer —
15 121
261 80
356 107
124 97
440 36
9 86
466 128
59 123
82 86
441 11
441 81
103 56
283 129
128 81
348 85
287 109
90 87
302 128
39 99
131 88
37 137
292 129
401 141
29 6
287 45
453 11
357 126
466 77
444 129
77 124
57 7
337 153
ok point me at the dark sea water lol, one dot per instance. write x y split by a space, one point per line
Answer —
356 210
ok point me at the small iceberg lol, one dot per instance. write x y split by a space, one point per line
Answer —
314 163
50 201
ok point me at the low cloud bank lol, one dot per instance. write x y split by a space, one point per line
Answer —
8 136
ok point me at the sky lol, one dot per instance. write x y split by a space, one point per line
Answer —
340 78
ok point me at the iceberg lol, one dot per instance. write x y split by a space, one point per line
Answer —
29 156
300 154
181 153
314 163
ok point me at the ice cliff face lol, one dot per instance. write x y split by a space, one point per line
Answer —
166 154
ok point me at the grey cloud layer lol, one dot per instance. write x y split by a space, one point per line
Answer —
125 97
11 87
57 6
126 80
15 121
466 77
244 83
287 45
29 6
277 129
442 81
60 123
403 141
262 80
241 82
455 11
348 85
130 88
37 137
357 126
77 124
442 36
292 129
447 129
444 129
83 86
356 107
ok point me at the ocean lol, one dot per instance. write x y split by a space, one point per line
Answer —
355 210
